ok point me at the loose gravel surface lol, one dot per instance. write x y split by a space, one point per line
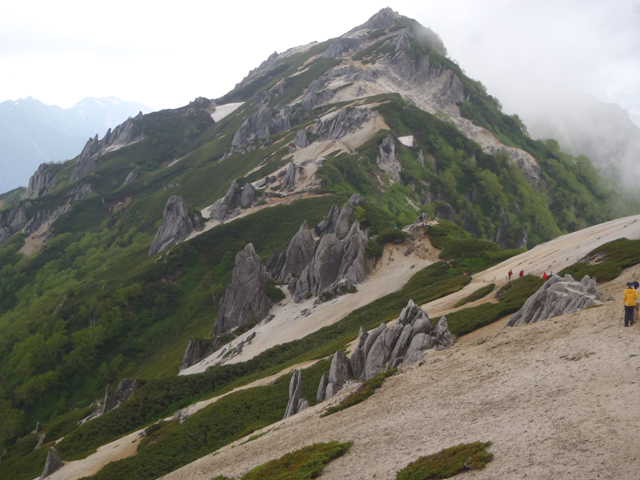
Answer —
558 399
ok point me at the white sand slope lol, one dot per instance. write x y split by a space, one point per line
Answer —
557 398
222 111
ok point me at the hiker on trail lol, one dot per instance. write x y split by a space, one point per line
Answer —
635 317
521 273
545 276
510 273
551 275
630 297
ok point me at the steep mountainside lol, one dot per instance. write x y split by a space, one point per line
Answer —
184 229
32 133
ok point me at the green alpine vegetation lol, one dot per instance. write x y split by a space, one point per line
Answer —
607 261
448 462
363 392
477 295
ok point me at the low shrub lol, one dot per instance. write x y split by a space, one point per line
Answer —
373 249
448 462
303 464
477 295
512 296
364 391
391 235
273 292
607 261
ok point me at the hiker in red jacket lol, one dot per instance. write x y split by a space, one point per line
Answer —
510 273
521 273
545 276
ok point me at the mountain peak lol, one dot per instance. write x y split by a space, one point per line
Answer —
385 18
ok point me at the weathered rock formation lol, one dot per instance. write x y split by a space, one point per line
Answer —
126 388
12 222
131 177
124 134
245 300
297 402
45 217
40 183
338 220
558 296
176 225
53 463
333 261
234 201
407 342
387 160
110 401
289 180
197 349
346 120
290 263
261 124
301 140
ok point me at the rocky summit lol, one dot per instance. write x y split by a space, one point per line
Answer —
334 233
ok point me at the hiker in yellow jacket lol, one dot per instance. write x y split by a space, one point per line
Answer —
630 297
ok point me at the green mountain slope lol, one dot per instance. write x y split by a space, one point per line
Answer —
84 306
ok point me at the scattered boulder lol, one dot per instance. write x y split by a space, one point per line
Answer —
234 201
558 296
176 226
40 183
53 463
245 300
296 401
289 180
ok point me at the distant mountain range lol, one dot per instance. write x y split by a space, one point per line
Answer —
32 133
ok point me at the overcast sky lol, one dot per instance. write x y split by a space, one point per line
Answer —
165 54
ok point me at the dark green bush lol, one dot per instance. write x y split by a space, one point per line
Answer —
448 462
477 295
273 292
373 249
391 235
607 261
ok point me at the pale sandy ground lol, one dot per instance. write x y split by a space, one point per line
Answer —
392 272
558 399
547 257
222 111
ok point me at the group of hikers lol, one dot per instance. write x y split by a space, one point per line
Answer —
511 273
631 304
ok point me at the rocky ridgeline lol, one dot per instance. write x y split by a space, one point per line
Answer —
261 124
558 296
245 299
235 200
40 183
176 226
405 343
124 134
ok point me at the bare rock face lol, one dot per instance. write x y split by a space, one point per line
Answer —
338 219
126 388
343 122
221 208
322 389
44 216
328 224
124 134
357 362
558 296
40 183
296 401
131 177
340 46
110 401
387 160
385 18
247 195
301 140
12 222
261 124
53 463
289 180
245 300
340 370
196 350
176 226
295 258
